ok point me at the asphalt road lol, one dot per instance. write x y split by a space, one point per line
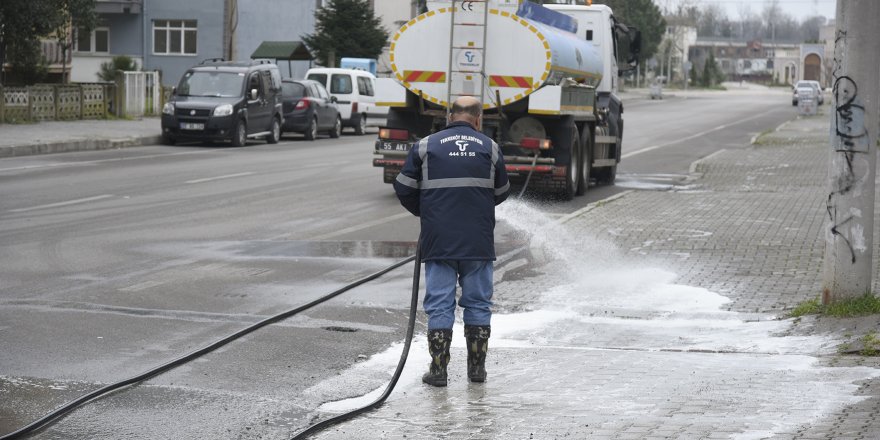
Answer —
116 261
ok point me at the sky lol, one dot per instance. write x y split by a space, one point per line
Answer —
798 9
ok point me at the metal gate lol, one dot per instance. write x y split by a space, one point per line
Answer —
142 94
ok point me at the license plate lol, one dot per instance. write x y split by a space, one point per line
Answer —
192 126
393 146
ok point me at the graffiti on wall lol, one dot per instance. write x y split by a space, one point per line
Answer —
850 143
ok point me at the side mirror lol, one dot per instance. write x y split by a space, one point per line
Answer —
173 91
254 94
333 99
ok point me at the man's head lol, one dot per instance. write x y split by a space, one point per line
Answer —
467 109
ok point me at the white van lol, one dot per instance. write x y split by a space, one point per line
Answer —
355 92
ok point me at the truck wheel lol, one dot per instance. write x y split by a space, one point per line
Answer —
312 130
239 134
274 132
573 172
586 142
361 128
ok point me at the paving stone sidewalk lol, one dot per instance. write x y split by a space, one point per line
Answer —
750 227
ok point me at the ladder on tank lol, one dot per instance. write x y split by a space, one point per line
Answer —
467 50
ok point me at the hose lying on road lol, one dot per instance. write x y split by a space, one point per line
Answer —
413 306
70 406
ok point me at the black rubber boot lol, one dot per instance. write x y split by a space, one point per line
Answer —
438 346
478 345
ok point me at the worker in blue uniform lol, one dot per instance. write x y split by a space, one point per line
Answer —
452 180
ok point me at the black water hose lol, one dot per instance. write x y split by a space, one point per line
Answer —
70 406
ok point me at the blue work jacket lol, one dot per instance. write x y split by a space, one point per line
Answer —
452 180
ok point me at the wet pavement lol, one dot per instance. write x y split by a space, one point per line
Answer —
660 314
656 314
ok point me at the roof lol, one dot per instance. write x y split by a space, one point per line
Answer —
282 50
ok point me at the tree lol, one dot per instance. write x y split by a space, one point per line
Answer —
346 28
74 16
646 17
24 22
712 74
695 75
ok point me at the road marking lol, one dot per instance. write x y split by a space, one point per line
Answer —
115 159
362 226
693 136
67 203
210 179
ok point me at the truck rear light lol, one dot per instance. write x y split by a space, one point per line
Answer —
394 134
535 144
354 107
302 104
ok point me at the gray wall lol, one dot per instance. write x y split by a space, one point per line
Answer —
126 33
209 41
274 20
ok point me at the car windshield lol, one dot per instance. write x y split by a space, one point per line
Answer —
211 83
293 90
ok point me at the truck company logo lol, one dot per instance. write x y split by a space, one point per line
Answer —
470 58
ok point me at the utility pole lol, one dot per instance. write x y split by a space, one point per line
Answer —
855 122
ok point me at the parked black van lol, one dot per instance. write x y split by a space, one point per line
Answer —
225 101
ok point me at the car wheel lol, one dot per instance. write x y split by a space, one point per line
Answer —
361 128
275 133
337 128
168 140
239 136
312 130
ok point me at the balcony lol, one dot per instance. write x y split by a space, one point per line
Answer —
119 6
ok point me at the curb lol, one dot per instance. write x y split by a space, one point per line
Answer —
82 145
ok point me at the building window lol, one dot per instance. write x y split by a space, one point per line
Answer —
97 41
173 37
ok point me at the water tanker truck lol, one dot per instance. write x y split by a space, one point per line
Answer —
547 77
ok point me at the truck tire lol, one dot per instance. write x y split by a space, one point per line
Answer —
586 144
573 172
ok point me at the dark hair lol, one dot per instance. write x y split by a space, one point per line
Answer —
475 109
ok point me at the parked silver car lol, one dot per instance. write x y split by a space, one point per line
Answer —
807 83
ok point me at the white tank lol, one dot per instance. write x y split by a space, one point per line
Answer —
520 56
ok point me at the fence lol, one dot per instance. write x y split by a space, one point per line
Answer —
55 102
134 94
141 93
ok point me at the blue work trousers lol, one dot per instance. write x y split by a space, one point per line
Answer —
475 278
